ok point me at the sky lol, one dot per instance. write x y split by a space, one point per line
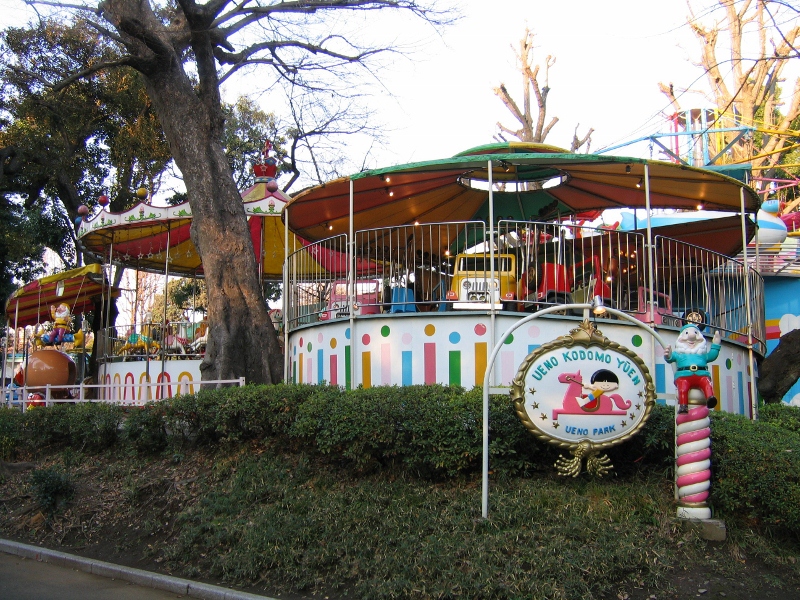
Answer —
438 100
610 57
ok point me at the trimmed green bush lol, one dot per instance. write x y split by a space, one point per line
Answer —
52 489
782 415
10 425
95 426
47 426
756 472
145 428
92 426
236 414
431 432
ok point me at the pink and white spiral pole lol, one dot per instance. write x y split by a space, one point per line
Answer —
693 458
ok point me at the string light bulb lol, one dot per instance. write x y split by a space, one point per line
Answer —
598 308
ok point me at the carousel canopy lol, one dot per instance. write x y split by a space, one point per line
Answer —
537 183
150 238
77 288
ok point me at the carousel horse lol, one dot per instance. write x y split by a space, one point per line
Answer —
138 344
201 338
174 344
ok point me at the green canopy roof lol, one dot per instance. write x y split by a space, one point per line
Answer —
531 182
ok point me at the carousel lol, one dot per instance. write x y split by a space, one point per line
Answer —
49 341
413 274
156 358
445 256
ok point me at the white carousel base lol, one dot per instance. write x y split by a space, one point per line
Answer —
139 381
453 347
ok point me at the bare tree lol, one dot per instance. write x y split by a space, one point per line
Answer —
747 84
532 126
185 50
747 89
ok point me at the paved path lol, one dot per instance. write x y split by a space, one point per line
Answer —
32 573
28 579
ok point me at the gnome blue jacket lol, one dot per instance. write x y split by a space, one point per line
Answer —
686 362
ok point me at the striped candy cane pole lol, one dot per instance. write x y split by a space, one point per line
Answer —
693 473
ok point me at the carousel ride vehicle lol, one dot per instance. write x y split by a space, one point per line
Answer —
408 274
54 358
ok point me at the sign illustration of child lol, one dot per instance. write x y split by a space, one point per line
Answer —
691 356
601 382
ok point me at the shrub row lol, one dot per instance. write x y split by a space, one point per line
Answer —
432 431
89 427
429 431
756 470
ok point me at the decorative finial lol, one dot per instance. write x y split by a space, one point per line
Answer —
269 165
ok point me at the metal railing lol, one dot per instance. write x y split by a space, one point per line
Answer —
142 340
448 266
24 397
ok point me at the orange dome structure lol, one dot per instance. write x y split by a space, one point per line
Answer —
45 367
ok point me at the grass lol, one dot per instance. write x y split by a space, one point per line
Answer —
287 523
276 520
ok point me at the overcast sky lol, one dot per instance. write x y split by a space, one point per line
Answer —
610 56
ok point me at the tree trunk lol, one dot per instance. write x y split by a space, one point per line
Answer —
781 369
241 339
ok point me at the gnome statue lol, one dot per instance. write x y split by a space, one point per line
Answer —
691 357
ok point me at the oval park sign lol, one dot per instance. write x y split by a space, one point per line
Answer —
585 393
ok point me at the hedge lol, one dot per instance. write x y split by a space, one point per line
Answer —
432 432
756 472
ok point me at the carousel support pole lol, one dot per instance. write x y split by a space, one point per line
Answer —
25 357
651 300
492 310
107 329
285 293
650 258
489 371
749 309
16 332
5 358
351 250
13 352
164 329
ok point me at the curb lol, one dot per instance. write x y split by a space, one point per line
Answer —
167 583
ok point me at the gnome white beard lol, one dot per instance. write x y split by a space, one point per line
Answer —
683 348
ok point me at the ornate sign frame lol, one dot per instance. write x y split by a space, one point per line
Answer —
585 343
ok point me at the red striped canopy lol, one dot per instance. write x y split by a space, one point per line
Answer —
77 288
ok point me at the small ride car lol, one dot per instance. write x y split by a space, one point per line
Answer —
474 288
368 299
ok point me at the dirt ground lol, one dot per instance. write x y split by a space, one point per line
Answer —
96 524
755 581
